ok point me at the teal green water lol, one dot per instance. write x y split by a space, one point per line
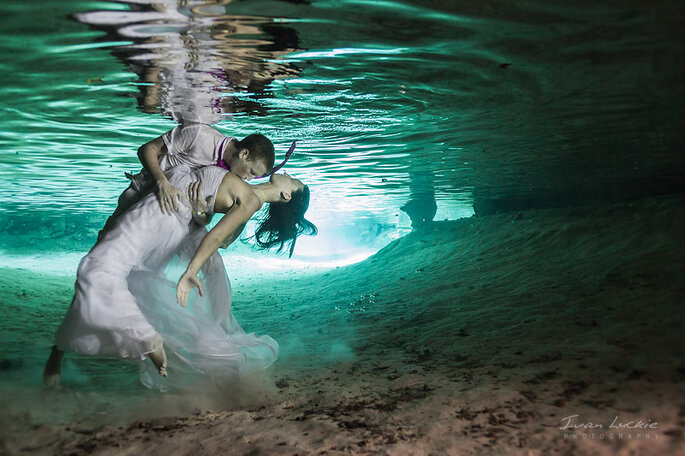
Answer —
483 107
500 105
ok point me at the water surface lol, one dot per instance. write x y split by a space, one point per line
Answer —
484 107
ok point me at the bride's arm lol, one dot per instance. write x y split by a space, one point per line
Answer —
235 235
237 216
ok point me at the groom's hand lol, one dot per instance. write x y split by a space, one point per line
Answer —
168 196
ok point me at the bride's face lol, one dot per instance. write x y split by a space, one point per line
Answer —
286 185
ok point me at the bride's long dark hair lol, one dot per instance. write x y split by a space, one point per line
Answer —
284 222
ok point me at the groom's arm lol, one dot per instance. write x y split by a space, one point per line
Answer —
167 194
149 154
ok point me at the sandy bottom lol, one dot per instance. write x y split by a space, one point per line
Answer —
485 335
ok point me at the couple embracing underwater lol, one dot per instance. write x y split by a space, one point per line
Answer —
125 304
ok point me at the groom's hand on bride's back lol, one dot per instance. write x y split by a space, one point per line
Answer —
168 196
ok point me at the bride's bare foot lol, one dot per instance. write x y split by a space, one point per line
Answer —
52 369
158 358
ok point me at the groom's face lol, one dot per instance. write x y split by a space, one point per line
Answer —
247 169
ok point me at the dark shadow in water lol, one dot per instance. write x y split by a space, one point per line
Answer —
197 62
421 207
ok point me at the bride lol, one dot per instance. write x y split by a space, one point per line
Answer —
126 305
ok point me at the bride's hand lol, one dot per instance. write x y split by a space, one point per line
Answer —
186 283
197 203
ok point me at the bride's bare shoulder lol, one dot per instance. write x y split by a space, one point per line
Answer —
233 191
235 183
230 177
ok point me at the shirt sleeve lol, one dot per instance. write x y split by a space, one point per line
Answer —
180 138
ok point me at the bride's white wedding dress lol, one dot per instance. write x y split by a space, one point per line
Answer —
125 298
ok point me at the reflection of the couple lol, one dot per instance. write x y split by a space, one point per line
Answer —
191 55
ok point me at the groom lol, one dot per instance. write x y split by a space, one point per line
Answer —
194 145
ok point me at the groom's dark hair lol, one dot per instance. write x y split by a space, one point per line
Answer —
260 147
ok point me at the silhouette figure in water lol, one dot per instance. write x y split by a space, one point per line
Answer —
421 207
